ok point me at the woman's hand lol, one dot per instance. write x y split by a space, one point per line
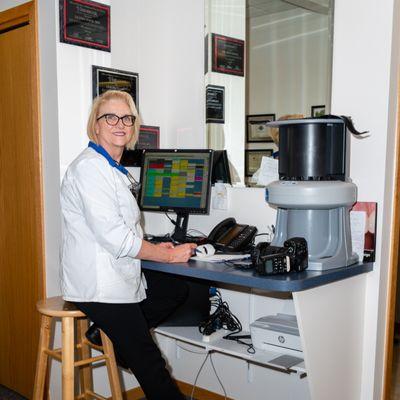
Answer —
182 253
167 245
166 252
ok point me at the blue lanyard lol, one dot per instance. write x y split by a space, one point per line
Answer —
134 186
101 150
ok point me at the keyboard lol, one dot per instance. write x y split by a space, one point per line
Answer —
162 239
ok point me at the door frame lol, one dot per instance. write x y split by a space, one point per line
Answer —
393 262
13 18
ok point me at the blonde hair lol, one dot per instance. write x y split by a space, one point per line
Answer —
107 96
275 131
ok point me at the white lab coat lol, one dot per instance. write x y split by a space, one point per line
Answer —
101 234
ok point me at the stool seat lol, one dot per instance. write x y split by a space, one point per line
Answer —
56 307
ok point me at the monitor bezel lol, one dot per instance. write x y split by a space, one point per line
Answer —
178 210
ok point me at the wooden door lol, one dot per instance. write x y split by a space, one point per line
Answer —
21 242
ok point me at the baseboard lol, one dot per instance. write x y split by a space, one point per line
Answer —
186 389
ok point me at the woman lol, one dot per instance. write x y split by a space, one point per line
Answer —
103 245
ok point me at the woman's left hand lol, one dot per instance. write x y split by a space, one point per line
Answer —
166 245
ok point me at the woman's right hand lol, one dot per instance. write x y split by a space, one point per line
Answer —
166 252
182 252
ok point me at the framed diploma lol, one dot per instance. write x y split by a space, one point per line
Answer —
115 79
227 55
257 129
215 104
149 137
253 160
317 111
85 23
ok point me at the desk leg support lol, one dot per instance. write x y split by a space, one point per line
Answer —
331 324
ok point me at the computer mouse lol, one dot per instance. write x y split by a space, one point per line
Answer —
205 250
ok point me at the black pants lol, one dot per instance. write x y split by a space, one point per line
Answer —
127 326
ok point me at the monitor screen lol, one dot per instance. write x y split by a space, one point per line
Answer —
176 180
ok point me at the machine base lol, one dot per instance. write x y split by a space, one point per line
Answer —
326 263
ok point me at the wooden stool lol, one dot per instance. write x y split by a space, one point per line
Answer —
57 307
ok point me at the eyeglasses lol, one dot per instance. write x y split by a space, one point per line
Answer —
112 119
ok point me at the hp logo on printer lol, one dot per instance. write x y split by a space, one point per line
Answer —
281 339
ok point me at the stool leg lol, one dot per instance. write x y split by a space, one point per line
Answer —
42 358
68 358
112 368
85 372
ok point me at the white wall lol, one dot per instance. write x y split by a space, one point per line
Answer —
157 39
363 87
74 78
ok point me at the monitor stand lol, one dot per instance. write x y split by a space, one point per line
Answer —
181 224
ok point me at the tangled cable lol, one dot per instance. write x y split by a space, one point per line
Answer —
223 318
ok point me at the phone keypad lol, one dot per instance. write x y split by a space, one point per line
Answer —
243 238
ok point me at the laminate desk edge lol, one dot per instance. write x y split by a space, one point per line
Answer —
293 282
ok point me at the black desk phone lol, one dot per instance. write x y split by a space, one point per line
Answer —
231 236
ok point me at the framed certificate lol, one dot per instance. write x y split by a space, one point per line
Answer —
253 160
149 137
257 129
85 23
215 96
115 79
317 111
227 55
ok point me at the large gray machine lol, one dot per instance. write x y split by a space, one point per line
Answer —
314 194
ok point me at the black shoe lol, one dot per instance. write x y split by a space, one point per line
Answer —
94 337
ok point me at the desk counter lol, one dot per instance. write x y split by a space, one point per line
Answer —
330 308
293 282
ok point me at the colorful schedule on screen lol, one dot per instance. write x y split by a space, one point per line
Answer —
175 179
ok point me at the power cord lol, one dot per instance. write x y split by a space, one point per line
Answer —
219 380
222 317
190 231
238 339
173 222
215 372
197 376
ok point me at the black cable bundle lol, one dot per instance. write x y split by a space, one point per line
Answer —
222 317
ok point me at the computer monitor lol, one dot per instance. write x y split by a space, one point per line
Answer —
220 169
177 181
132 158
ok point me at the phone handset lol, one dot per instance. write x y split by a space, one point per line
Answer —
220 229
228 235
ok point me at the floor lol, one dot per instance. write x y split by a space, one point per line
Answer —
7 394
395 395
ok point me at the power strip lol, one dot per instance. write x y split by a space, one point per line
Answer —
215 335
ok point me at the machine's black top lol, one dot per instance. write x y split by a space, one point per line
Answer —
313 149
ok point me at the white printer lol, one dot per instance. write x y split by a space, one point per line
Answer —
276 333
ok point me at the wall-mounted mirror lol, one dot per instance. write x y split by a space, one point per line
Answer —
287 59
